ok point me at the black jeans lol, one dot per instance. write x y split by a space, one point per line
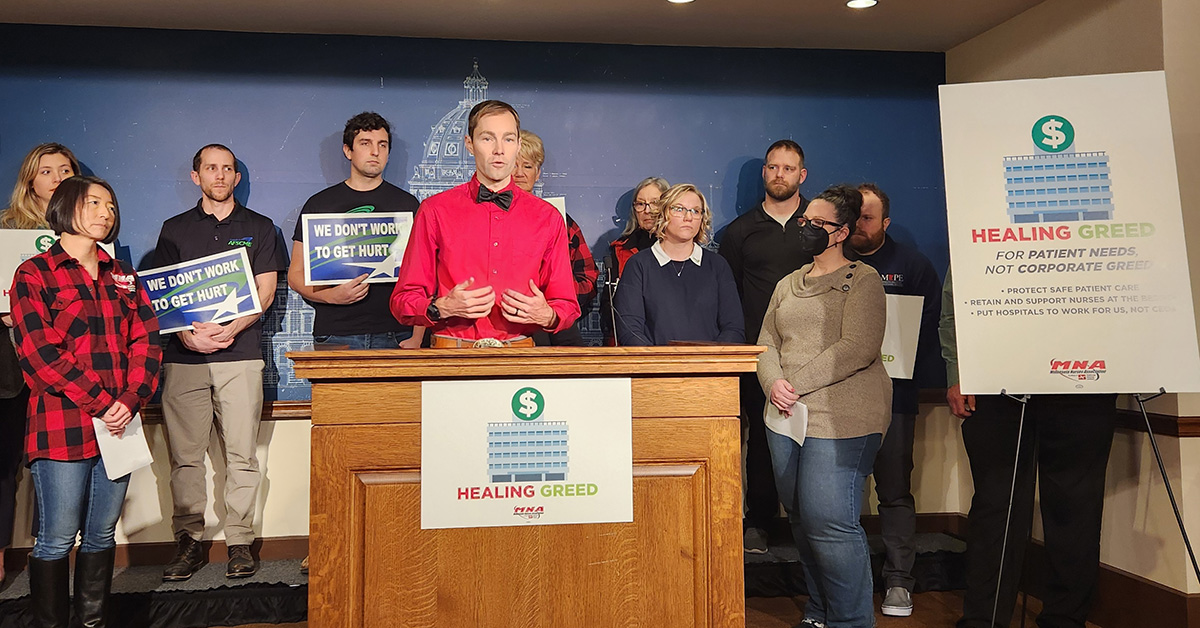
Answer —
12 451
1065 447
762 502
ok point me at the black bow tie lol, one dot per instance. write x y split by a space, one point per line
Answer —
503 199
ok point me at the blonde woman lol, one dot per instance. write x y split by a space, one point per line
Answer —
41 171
675 290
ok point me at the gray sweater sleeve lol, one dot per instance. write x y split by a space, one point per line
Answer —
769 367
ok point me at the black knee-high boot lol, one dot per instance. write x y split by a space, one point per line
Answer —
50 601
93 582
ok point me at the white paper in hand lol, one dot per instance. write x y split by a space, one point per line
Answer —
126 454
794 427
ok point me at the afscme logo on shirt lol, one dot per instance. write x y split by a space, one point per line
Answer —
362 209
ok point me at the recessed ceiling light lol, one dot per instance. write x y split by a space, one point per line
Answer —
679 1
862 4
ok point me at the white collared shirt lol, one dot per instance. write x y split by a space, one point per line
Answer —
663 258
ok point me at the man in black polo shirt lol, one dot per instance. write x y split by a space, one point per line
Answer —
762 246
905 271
356 314
216 370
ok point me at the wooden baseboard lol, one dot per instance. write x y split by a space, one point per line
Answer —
1123 599
142 554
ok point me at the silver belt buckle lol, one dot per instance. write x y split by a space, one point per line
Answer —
487 343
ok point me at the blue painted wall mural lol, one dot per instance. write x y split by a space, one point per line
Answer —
135 105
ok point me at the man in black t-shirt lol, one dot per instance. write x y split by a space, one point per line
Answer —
354 313
216 370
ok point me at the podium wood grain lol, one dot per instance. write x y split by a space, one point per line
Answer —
679 563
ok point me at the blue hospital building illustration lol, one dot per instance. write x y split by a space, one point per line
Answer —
527 451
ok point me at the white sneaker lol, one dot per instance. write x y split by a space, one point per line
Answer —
897 602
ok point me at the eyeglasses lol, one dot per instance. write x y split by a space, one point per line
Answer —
818 222
643 207
680 210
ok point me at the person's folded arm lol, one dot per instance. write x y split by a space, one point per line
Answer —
630 306
145 354
44 353
770 366
731 322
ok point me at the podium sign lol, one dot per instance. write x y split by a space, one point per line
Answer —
1066 239
526 452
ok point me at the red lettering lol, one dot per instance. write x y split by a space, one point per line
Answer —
464 493
1063 232
474 492
1060 365
978 235
1098 364
1079 365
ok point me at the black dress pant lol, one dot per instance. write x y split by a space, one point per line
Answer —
897 507
762 503
12 451
1065 447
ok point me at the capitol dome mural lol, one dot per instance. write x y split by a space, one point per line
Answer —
445 162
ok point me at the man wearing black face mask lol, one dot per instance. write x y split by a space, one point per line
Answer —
905 271
762 246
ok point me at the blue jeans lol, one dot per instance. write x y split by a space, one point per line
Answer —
74 497
821 487
386 340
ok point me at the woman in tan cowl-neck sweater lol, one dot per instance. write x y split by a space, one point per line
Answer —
823 331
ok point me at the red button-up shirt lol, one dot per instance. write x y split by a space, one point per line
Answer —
454 238
84 344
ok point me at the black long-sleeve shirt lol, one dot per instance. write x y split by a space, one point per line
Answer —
760 252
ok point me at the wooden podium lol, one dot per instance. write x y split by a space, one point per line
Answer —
678 564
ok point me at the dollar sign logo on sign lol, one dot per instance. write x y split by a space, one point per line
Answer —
43 243
528 404
1053 134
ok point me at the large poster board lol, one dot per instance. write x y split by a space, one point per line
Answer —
212 289
526 452
1066 240
18 245
340 247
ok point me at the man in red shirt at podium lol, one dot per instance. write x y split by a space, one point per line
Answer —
486 264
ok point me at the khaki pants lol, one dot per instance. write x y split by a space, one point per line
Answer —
194 396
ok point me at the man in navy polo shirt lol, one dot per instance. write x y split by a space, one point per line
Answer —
213 374
905 271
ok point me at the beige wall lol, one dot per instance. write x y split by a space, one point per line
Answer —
1064 38
283 455
1074 37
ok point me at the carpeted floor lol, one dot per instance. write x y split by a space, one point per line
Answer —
149 579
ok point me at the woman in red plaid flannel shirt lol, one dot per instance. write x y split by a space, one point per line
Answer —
87 339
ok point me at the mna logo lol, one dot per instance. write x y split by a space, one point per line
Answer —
1078 370
247 242
529 513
